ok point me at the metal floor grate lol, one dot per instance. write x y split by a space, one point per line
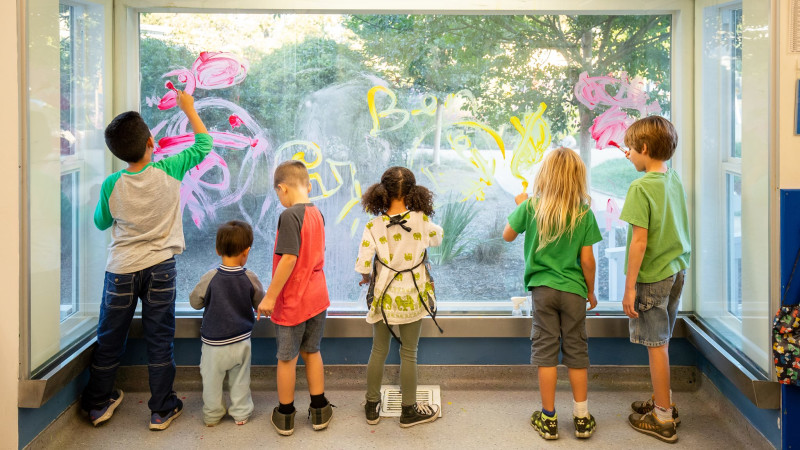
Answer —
391 399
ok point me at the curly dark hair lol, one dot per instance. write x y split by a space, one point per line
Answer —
397 183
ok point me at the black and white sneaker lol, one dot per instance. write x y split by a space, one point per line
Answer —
373 412
418 413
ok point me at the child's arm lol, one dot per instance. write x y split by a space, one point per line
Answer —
366 253
258 288
588 268
282 272
519 217
434 233
635 257
198 296
102 214
177 166
509 234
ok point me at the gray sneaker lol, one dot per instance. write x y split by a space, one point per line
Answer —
373 412
320 417
283 423
648 405
649 424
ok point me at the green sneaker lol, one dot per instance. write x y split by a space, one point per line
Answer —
547 427
649 424
283 423
584 426
320 417
649 404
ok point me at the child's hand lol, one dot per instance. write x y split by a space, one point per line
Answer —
265 307
628 303
521 198
365 279
591 300
185 101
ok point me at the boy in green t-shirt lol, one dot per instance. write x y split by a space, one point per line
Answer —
657 255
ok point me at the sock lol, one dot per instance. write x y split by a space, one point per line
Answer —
319 401
580 409
670 398
663 414
287 408
549 414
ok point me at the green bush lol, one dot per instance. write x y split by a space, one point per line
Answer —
613 177
455 217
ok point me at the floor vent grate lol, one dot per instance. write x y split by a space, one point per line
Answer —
391 399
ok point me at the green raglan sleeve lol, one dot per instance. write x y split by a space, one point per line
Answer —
519 219
176 166
102 213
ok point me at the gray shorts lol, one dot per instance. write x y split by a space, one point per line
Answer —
559 323
304 336
657 305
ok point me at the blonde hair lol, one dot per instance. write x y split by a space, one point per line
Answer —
559 195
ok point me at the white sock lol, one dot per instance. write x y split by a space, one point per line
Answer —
580 409
670 398
663 414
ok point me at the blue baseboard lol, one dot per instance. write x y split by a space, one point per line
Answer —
31 421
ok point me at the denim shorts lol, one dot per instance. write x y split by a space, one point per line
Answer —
559 323
657 304
304 336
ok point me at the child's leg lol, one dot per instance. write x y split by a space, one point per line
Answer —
409 334
315 372
158 321
548 378
116 311
239 381
212 369
659 374
377 359
574 343
579 380
286 380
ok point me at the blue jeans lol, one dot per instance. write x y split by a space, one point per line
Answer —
155 285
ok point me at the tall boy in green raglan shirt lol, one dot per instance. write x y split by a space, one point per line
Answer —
141 205
658 253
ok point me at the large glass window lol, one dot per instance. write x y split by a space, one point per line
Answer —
732 157
457 98
66 75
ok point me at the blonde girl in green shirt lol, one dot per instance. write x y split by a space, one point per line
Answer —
560 230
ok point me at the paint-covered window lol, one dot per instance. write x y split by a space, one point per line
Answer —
470 103
66 162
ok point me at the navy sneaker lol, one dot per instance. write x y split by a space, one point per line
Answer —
98 416
161 420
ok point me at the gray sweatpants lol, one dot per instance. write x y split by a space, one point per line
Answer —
409 334
215 362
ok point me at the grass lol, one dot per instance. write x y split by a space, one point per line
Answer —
489 249
613 177
455 217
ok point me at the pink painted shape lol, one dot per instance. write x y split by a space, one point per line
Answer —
235 121
608 129
612 213
593 91
218 70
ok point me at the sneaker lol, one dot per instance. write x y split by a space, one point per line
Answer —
373 412
160 420
283 423
418 413
584 426
545 426
649 424
649 404
320 417
98 416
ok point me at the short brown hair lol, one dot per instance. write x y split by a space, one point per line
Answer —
234 237
292 172
657 133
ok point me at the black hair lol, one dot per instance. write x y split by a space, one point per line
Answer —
127 135
234 237
292 172
396 183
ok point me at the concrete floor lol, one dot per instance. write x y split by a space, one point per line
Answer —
476 415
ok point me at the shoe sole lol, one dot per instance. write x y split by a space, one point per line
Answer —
110 411
282 432
670 440
374 422
321 426
584 435
676 419
428 420
165 425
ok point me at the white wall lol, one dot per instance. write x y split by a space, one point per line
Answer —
9 226
788 143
